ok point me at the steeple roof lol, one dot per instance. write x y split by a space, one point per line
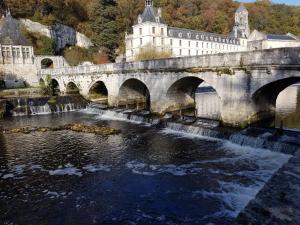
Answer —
150 14
10 33
241 8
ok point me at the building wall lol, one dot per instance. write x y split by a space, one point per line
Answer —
17 65
156 35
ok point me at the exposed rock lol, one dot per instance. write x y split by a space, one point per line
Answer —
62 35
81 128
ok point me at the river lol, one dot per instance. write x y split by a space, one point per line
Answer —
144 175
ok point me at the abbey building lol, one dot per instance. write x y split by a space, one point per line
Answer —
151 31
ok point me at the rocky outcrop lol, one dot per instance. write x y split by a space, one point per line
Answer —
62 35
76 127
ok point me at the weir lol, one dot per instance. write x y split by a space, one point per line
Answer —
261 138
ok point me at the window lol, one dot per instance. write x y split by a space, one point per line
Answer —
197 44
189 52
180 52
189 43
180 43
162 31
171 42
153 41
206 45
141 31
141 41
197 53
153 30
202 44
162 41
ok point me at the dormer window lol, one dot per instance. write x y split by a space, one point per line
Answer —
140 19
197 36
189 35
180 35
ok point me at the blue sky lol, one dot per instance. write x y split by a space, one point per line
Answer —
288 2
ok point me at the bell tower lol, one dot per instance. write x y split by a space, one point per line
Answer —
241 28
148 3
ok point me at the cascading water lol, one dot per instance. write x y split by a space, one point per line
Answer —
41 106
201 127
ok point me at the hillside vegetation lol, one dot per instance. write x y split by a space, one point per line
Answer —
105 21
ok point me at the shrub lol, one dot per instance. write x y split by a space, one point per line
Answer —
42 45
150 52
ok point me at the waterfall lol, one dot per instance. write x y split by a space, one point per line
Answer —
251 137
40 106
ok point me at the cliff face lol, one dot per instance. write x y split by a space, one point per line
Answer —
61 34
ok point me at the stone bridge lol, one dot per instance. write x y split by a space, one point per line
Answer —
247 83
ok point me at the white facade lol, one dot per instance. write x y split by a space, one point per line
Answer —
151 30
258 41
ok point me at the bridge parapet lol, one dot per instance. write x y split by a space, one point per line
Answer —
270 57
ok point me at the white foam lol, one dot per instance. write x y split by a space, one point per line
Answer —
151 170
182 134
94 168
68 170
7 176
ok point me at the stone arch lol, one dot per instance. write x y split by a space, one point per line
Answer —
55 88
42 82
72 89
98 92
265 99
181 95
134 93
47 63
267 94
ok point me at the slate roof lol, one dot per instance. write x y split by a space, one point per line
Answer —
150 14
280 37
10 33
201 36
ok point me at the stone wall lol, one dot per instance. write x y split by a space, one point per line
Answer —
264 58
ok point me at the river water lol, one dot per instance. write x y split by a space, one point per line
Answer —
144 175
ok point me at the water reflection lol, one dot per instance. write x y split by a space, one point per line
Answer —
143 175
288 108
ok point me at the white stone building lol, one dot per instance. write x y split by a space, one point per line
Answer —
151 30
259 40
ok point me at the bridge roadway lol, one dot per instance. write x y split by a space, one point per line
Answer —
247 83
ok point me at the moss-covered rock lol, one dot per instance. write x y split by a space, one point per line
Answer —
76 127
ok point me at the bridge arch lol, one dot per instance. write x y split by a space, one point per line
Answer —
55 88
98 92
268 93
47 63
133 93
72 89
42 82
192 95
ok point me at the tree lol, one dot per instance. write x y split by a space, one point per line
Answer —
105 26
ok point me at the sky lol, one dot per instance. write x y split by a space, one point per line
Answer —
288 2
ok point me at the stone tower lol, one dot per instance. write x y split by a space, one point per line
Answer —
149 3
241 28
